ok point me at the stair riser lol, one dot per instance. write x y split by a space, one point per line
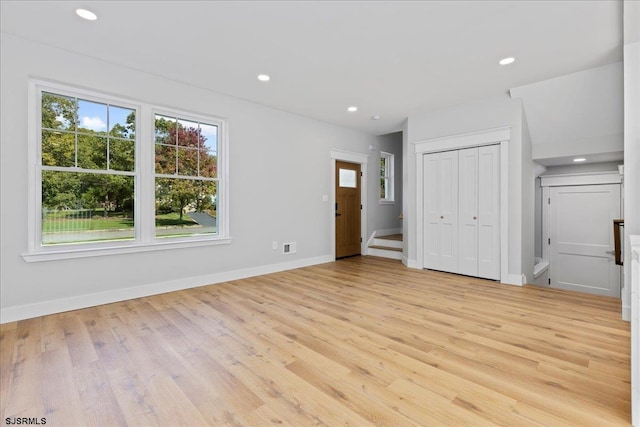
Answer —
384 254
385 242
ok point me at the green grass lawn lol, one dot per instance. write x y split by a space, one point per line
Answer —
73 221
173 220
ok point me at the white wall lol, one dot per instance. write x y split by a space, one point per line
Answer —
632 187
631 155
528 202
475 116
408 199
387 216
279 170
575 114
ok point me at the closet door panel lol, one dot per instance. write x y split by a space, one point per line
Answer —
448 201
431 225
468 212
489 212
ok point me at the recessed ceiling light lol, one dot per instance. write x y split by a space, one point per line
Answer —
507 61
264 78
579 159
86 14
376 117
352 109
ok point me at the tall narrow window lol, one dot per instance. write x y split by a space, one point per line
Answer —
386 177
87 167
186 184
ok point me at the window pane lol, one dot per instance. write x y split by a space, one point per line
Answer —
383 188
58 149
121 155
165 130
58 112
188 134
185 207
347 178
92 152
209 136
208 165
209 150
122 122
92 117
165 159
85 207
187 162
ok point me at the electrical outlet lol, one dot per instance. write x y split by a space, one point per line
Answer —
274 245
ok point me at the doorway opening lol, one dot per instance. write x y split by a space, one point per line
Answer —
349 203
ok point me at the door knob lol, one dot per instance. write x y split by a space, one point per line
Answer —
611 252
475 217
338 214
441 216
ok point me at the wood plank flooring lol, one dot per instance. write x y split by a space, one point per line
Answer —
362 341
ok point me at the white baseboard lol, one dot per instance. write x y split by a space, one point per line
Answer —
626 313
28 311
411 263
514 279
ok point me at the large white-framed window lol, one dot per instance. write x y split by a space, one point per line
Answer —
386 177
113 175
186 175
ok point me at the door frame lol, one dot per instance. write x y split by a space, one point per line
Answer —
573 179
362 160
498 136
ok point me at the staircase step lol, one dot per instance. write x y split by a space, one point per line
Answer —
391 237
386 248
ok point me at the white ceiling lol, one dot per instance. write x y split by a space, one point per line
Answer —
390 58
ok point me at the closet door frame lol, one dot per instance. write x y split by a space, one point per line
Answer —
499 136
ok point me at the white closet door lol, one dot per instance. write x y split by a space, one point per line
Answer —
431 209
448 200
468 212
441 211
489 212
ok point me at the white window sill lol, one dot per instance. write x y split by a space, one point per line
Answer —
77 251
387 202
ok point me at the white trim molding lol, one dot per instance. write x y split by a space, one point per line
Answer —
501 136
463 140
28 311
363 160
612 177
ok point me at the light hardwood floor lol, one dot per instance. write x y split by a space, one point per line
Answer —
362 341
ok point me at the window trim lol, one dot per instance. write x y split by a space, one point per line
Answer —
144 175
389 178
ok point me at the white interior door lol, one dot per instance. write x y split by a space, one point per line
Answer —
581 233
489 212
468 212
448 200
441 211
431 209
